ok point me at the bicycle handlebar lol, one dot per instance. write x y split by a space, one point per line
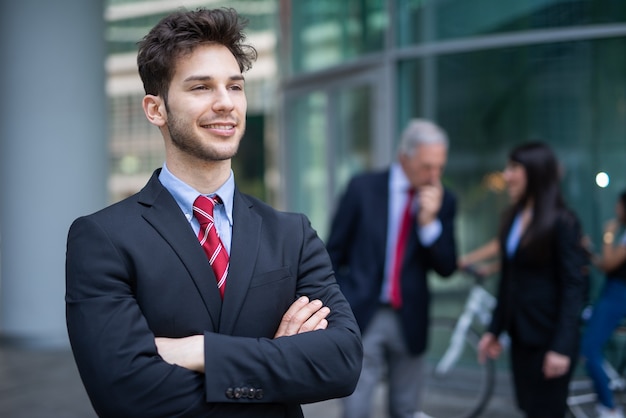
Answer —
472 271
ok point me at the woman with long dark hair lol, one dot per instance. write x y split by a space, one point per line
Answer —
541 288
609 309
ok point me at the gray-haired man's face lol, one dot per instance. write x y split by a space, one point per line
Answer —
425 166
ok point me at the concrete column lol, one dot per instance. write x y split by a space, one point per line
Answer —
53 155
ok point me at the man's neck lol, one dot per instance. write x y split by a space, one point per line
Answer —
205 176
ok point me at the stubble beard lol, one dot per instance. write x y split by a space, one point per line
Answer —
188 142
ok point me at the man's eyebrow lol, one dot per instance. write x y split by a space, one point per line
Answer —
237 77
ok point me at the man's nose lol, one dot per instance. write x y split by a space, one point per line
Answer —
435 175
223 101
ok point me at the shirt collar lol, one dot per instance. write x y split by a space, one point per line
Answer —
398 181
185 195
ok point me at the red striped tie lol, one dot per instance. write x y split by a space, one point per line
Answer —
395 294
210 241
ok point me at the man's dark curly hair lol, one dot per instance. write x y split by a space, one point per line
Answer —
179 33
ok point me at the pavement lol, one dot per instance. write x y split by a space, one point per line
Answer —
38 383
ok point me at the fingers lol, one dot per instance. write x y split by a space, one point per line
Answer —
489 347
283 327
303 316
482 357
323 324
430 194
555 365
495 350
482 349
430 198
316 321
553 372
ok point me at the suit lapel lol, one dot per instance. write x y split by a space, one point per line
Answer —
243 253
163 213
381 212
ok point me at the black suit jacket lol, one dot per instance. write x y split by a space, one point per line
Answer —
540 299
135 270
357 245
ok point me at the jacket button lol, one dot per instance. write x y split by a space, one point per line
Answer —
251 393
230 393
259 394
237 393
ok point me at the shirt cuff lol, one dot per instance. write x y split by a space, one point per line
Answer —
429 233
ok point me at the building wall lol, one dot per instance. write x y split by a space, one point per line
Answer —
493 74
52 155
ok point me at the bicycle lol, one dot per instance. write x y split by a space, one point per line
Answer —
581 400
457 379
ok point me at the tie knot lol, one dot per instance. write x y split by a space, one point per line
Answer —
203 208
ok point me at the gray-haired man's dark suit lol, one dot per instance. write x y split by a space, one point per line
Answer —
357 247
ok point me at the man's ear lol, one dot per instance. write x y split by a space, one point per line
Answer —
403 159
154 108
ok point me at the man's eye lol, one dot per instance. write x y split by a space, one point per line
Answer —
202 87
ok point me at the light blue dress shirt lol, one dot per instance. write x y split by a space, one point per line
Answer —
398 186
185 195
515 234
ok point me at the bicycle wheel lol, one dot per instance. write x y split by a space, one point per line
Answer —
465 389
581 400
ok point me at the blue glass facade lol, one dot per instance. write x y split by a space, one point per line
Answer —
492 73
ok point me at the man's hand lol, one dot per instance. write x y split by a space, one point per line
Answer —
187 352
555 365
430 198
303 316
489 347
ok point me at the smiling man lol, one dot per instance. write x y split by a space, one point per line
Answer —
191 298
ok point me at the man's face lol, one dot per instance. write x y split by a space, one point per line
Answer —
206 107
426 165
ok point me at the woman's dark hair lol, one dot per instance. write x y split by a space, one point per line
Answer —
179 33
543 189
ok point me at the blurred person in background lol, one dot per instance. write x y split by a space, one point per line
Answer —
609 309
541 288
390 229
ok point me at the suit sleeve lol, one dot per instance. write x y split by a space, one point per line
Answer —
303 368
498 316
570 265
344 221
442 254
112 343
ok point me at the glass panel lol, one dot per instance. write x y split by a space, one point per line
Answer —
329 141
410 91
128 21
571 95
351 149
249 163
136 147
422 21
329 32
307 183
